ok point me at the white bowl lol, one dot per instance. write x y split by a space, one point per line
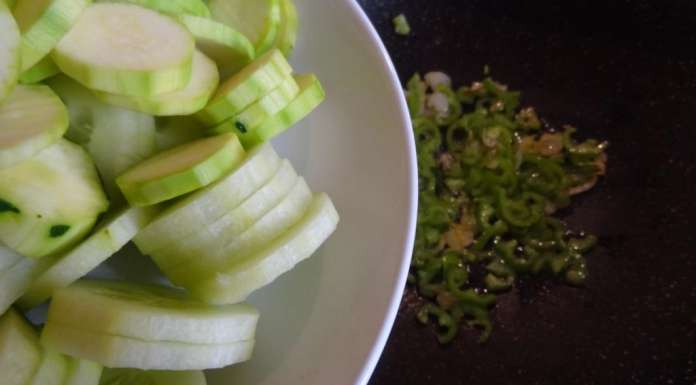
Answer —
326 321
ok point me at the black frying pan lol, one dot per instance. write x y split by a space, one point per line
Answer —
618 69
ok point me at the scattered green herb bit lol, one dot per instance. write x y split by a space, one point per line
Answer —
6 206
490 179
401 25
58 230
241 127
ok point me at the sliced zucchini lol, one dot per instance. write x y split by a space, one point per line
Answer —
172 7
150 313
199 251
267 228
10 52
52 369
177 130
83 372
230 49
109 238
151 377
235 282
310 97
20 353
43 24
197 210
259 20
264 108
15 280
126 49
31 119
51 200
41 71
122 352
180 170
260 77
289 24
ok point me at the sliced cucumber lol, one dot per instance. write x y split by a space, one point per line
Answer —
177 130
122 352
15 280
20 353
264 108
235 282
188 260
186 101
216 234
289 24
257 19
267 228
310 97
152 377
41 71
43 24
52 369
31 119
126 49
172 7
197 210
150 313
83 372
109 238
10 53
180 170
260 77
230 49
52 200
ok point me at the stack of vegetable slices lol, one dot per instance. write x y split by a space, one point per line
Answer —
147 120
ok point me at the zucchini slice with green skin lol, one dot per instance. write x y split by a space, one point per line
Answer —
186 101
177 130
10 52
216 233
150 313
41 71
151 377
43 24
121 352
289 24
83 372
126 49
259 20
20 353
234 283
230 49
31 119
52 370
181 170
254 81
172 7
197 210
54 199
106 240
262 109
267 228
310 97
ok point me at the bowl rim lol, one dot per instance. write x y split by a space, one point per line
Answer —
400 285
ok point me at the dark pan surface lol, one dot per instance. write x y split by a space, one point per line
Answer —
620 70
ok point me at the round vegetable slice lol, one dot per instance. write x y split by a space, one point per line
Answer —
269 105
197 210
43 24
52 369
217 233
186 101
83 372
51 200
106 240
31 119
126 49
150 313
122 352
180 170
257 19
41 71
173 7
229 49
20 354
260 77
287 32
151 377
235 282
9 51
310 97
